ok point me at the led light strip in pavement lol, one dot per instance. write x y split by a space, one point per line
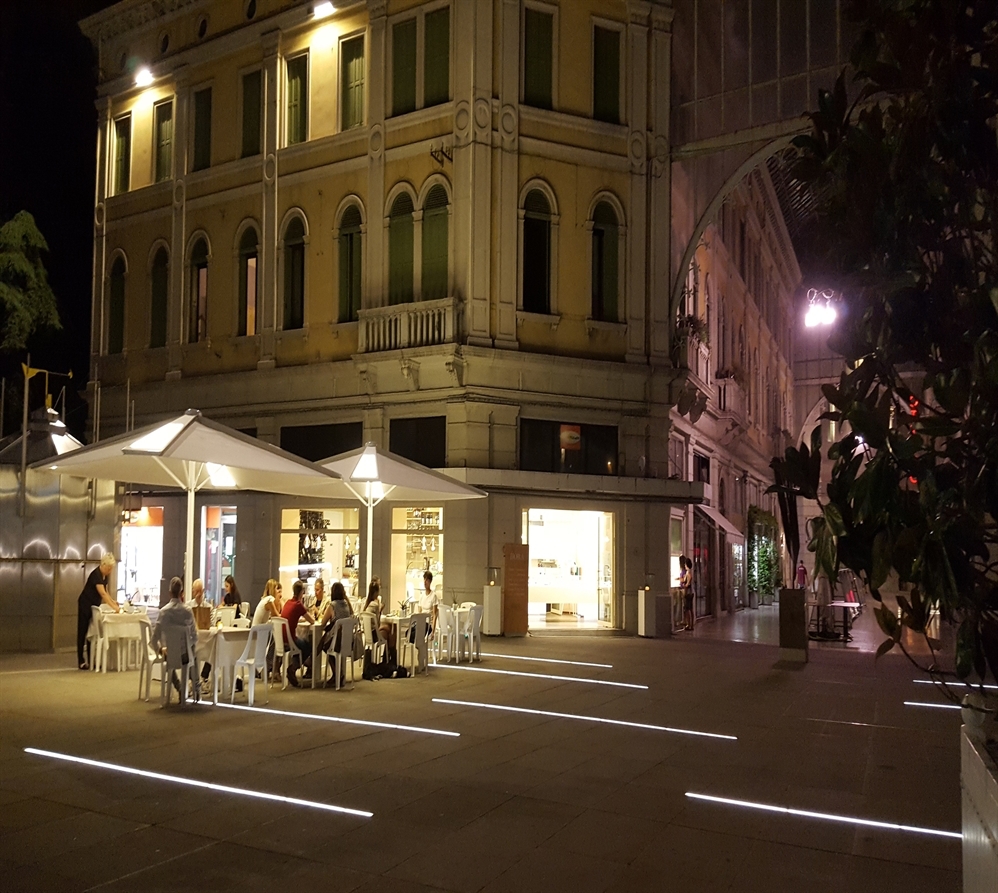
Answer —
826 816
927 704
342 719
973 686
538 676
194 783
548 660
612 722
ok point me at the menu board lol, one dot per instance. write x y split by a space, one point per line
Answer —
516 562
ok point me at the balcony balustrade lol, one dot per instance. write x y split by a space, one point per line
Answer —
420 324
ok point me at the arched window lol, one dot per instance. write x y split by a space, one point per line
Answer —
350 264
605 269
400 252
294 274
116 307
249 249
436 221
536 272
158 298
197 322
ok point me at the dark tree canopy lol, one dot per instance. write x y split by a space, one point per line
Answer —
27 303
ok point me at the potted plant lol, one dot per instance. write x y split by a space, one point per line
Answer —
905 224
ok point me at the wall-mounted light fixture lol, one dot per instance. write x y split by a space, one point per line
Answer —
820 311
143 77
323 10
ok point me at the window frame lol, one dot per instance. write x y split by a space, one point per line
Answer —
158 246
350 201
282 271
304 100
118 256
606 197
433 182
157 144
243 74
192 293
242 296
195 92
121 161
553 224
419 16
393 196
553 11
621 29
341 109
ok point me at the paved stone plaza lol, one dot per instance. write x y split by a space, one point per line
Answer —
516 803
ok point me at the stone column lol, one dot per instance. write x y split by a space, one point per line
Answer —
267 299
375 292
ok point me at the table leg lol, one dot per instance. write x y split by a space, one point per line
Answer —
315 654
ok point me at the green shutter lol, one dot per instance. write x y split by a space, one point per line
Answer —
404 67
116 309
435 225
158 303
202 130
606 75
538 29
294 275
164 141
400 252
606 237
251 113
298 99
436 57
122 153
350 270
352 82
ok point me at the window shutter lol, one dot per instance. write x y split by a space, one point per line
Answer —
122 153
116 309
404 67
202 130
297 99
606 75
436 57
248 248
436 221
350 264
157 309
164 140
294 275
605 263
538 30
352 82
400 252
251 114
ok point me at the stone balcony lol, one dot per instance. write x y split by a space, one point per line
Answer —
419 324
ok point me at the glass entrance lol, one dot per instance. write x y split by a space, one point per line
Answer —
571 574
218 548
140 570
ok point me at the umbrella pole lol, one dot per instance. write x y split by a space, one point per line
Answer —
189 558
369 558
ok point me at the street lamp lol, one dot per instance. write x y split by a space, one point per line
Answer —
820 311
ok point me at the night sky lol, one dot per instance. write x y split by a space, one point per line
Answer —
47 158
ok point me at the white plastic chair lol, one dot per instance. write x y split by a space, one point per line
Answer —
148 658
244 610
177 645
341 649
242 622
96 639
417 626
467 605
283 651
372 642
254 657
225 613
471 634
446 632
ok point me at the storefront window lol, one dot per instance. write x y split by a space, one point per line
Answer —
675 550
141 567
320 543
417 547
218 548
570 578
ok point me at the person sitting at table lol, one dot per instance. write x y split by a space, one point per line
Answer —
385 630
293 611
175 614
279 596
197 594
94 594
232 596
267 607
428 601
318 606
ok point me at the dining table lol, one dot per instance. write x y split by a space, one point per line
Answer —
221 646
123 629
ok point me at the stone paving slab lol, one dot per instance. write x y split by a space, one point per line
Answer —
518 802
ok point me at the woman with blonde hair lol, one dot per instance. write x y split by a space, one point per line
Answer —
267 607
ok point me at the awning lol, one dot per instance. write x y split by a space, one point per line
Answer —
714 516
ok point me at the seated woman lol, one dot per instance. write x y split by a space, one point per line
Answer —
386 632
267 607
232 598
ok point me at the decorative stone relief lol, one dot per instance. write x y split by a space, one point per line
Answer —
179 193
376 141
455 368
368 379
483 116
638 151
410 372
99 215
462 121
508 126
270 168
660 160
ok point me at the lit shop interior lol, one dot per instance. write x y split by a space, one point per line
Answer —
140 569
320 543
417 547
218 548
570 579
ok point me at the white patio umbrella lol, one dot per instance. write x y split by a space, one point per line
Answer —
374 475
194 454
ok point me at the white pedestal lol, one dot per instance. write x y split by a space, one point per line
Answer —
492 614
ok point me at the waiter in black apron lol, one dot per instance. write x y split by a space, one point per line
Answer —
94 593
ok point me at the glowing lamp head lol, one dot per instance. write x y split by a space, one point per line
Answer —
366 468
323 10
143 77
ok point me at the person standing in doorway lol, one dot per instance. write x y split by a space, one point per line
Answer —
801 575
94 594
686 585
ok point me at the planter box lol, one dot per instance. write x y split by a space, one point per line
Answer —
979 795
793 625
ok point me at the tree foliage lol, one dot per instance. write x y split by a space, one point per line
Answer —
27 303
906 182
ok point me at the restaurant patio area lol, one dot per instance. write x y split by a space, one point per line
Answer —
519 801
